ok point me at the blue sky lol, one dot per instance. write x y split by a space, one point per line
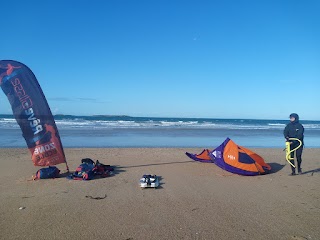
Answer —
217 59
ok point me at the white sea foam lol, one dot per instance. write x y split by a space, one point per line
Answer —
78 123
8 119
277 124
173 124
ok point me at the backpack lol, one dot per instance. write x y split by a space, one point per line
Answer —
45 173
103 170
85 171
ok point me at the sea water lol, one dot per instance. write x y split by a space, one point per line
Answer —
124 131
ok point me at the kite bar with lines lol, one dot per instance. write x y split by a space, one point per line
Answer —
288 151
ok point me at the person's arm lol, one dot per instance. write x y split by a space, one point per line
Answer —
286 132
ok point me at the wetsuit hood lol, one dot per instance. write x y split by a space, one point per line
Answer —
296 116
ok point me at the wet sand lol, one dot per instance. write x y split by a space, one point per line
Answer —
195 200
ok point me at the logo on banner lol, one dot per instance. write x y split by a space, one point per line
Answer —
9 73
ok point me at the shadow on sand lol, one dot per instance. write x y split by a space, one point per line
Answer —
312 171
160 182
276 167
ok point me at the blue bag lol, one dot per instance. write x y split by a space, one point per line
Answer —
50 172
84 172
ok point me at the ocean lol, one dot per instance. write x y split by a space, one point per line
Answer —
125 131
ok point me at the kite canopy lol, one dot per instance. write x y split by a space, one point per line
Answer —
233 158
204 156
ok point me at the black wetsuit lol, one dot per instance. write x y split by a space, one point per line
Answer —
295 130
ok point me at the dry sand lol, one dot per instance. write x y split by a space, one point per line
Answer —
194 201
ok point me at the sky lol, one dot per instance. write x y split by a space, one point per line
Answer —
166 58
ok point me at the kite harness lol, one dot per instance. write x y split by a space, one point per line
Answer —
288 151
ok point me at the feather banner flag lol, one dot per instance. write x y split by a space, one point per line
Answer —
32 112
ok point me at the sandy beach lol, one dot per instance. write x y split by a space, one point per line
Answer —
195 200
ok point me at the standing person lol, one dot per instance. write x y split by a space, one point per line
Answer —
294 129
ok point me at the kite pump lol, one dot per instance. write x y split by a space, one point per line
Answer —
288 151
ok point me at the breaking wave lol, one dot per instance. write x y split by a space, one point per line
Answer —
75 122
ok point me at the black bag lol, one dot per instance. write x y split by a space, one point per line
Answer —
88 161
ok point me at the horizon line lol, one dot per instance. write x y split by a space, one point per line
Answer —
129 116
